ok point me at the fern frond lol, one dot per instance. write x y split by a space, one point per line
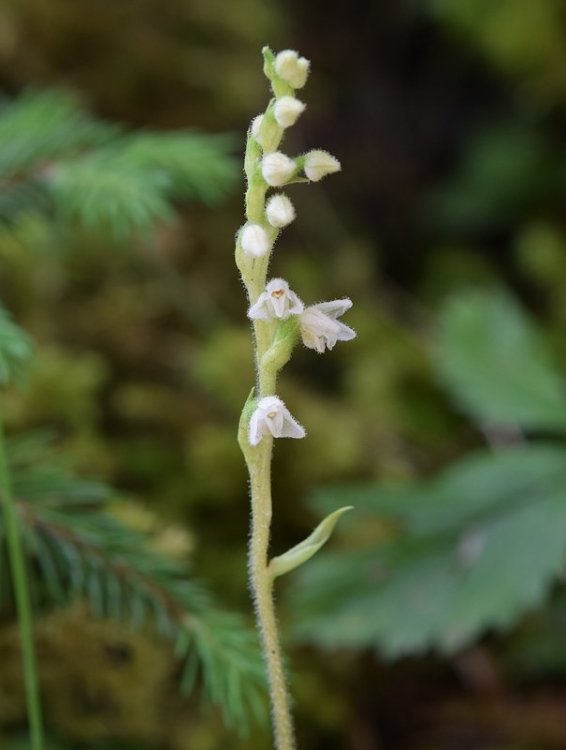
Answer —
197 166
102 193
56 158
39 127
81 551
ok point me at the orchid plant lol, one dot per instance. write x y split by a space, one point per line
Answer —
280 319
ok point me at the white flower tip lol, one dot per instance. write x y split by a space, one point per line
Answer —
277 168
255 126
279 211
287 110
320 163
292 68
254 240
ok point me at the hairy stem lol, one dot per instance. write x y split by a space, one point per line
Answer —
262 586
258 459
12 531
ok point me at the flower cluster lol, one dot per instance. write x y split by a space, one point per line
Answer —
318 324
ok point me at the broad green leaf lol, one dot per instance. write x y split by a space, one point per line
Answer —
494 362
303 551
475 548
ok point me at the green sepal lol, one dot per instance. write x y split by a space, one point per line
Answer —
247 411
303 551
270 130
268 62
284 341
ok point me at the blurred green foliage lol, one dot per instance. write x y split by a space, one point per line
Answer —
448 116
476 546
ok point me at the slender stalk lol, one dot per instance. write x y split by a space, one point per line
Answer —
16 558
262 587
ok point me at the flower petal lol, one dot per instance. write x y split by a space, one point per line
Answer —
255 431
335 308
259 310
291 428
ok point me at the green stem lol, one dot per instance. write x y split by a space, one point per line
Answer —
258 459
20 582
262 586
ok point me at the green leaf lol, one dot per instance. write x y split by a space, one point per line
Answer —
303 551
472 549
495 363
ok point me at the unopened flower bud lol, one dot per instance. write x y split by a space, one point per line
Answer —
254 240
287 110
318 164
292 68
279 211
277 168
256 125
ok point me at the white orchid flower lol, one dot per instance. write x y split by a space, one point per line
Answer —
271 417
278 301
320 328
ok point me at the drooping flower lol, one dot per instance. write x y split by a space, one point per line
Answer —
287 110
320 163
320 329
271 416
279 211
278 301
292 68
277 168
254 240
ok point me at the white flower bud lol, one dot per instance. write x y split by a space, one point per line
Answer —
292 68
277 168
278 301
279 211
320 329
254 240
287 110
256 125
319 163
272 417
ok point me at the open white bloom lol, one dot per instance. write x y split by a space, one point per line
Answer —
278 301
272 417
292 68
279 211
277 168
320 328
254 240
320 163
287 110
